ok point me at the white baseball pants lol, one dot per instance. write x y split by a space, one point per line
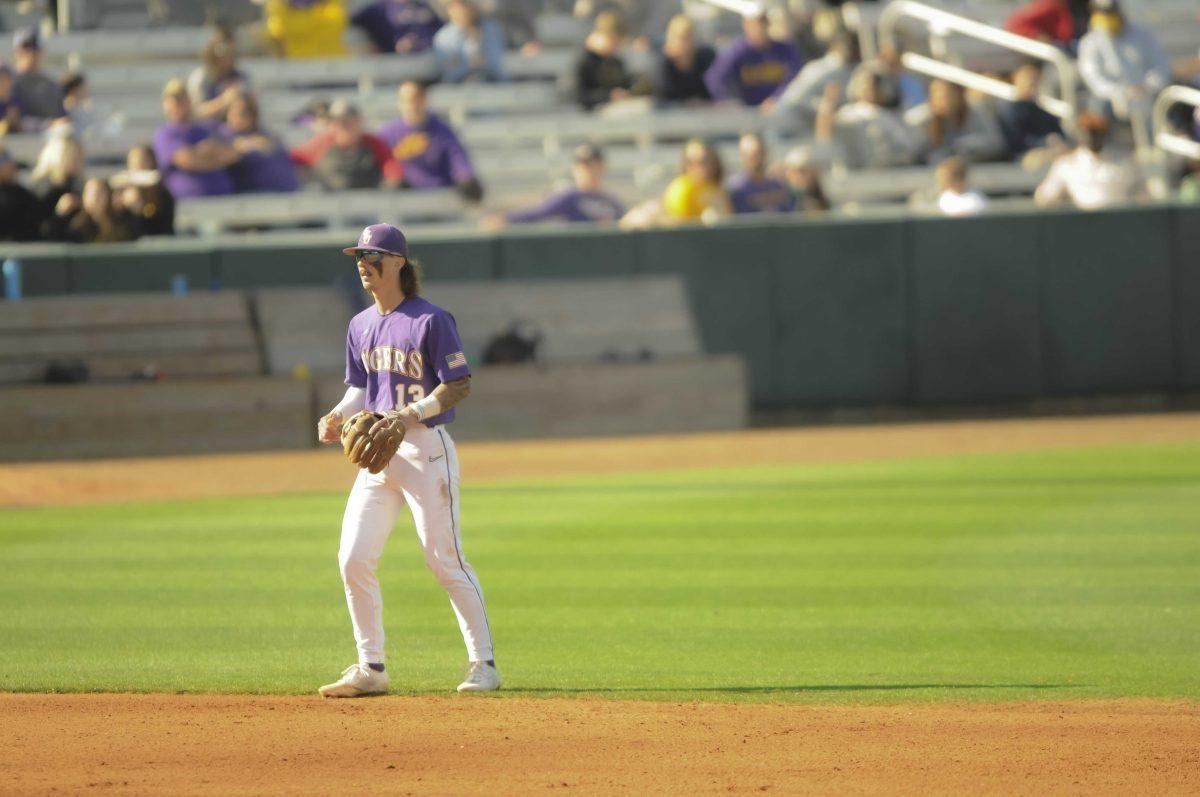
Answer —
423 475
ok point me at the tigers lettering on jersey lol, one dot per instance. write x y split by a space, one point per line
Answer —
387 358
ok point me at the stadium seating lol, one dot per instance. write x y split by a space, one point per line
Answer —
124 336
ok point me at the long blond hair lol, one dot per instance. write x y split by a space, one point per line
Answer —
60 159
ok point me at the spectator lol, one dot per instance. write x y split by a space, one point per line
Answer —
306 28
38 96
1026 125
679 74
194 161
752 190
426 148
802 97
518 20
265 164
1052 21
470 46
696 194
57 177
1122 64
142 195
585 201
398 26
954 197
77 102
600 75
645 20
947 125
344 156
901 89
21 213
866 131
804 180
1087 176
214 84
752 68
10 109
98 220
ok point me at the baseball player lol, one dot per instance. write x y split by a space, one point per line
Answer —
404 360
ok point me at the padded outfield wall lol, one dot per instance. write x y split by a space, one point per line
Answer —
827 313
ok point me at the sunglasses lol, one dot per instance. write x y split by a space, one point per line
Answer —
370 258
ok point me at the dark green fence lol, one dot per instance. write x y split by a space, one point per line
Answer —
827 312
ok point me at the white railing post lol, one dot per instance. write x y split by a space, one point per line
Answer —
941 23
1163 138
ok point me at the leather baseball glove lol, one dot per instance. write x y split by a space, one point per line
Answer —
370 439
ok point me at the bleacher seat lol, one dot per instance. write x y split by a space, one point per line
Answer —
119 336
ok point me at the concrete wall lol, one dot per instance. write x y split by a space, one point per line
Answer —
98 420
829 313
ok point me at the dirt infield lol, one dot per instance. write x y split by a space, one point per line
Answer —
231 745
61 483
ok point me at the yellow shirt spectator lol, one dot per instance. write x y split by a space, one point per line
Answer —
307 29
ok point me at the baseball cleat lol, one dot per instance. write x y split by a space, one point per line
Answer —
358 680
482 677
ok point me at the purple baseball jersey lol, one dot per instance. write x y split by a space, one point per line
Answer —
400 357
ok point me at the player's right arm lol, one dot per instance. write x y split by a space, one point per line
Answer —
329 427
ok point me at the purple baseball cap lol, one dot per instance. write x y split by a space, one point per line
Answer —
380 238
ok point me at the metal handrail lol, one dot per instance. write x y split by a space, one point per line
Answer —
1163 138
942 22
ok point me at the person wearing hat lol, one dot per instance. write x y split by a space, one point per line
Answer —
193 159
753 67
804 180
586 200
1122 64
38 95
21 213
344 155
405 361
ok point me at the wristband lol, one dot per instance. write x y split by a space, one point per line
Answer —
427 407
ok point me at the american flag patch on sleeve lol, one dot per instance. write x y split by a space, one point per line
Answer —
456 360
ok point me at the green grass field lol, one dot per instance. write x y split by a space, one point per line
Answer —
1035 576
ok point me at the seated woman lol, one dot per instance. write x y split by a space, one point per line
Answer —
140 193
265 164
948 125
697 193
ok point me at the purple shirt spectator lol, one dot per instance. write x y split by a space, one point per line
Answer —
183 184
405 26
416 344
751 75
760 196
431 154
262 170
572 205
